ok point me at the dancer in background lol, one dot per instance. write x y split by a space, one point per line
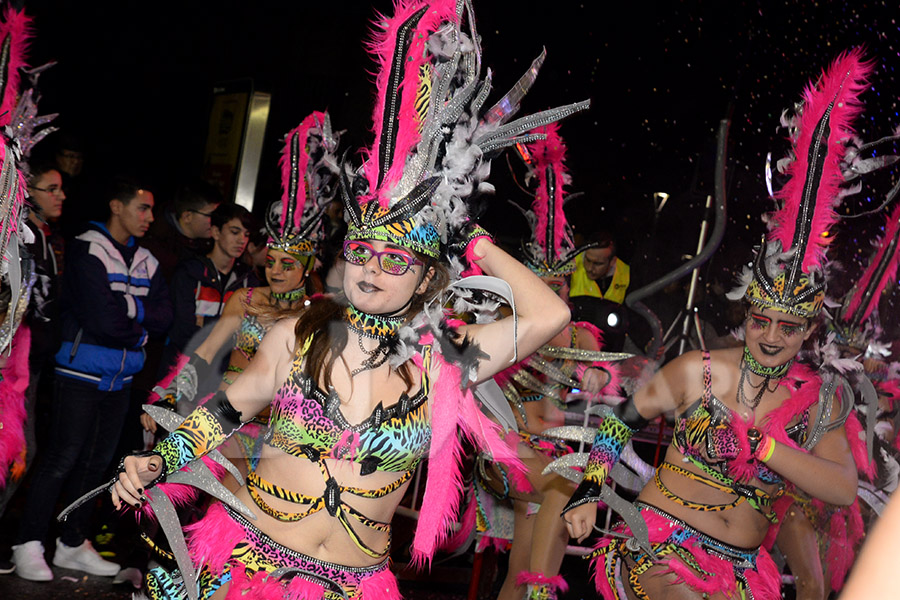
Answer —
747 420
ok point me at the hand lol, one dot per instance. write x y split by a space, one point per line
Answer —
148 423
138 472
594 380
580 520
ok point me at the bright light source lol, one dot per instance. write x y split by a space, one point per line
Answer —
612 319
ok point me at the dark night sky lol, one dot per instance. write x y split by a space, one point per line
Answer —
134 80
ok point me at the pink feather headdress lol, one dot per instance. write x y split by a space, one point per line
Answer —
433 138
787 273
309 183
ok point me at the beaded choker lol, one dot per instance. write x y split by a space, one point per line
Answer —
373 326
767 372
291 296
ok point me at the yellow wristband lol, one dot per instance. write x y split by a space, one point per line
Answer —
765 450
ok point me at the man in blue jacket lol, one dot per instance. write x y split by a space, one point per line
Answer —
112 295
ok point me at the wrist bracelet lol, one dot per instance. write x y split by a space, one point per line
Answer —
765 449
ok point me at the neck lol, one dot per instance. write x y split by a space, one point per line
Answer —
117 232
222 261
756 368
377 327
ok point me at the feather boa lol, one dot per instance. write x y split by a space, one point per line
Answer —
550 155
837 89
891 230
16 27
845 531
313 120
12 408
383 46
856 439
452 406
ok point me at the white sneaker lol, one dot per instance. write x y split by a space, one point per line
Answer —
30 563
83 558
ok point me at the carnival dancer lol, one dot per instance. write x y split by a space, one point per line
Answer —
747 419
537 388
363 389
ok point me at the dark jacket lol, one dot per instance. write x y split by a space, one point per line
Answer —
199 294
170 246
112 296
43 314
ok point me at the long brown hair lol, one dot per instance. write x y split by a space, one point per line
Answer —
323 323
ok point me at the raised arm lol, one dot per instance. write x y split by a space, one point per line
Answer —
541 313
224 328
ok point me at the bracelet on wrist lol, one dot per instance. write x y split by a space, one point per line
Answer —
765 449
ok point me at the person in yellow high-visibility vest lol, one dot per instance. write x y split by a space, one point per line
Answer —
600 273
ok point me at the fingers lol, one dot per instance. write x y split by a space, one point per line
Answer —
148 423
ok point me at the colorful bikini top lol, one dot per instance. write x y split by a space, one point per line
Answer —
306 421
705 434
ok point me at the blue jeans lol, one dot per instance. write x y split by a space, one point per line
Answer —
84 430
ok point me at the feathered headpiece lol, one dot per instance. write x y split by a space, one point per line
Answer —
433 140
787 273
550 251
309 182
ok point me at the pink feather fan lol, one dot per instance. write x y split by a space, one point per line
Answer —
881 270
291 197
400 52
15 31
829 107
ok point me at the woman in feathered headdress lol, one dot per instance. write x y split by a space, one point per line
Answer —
366 385
538 388
747 420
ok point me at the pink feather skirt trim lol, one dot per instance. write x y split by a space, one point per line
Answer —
718 568
230 551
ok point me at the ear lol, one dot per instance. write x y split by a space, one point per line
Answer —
425 281
810 330
214 232
116 206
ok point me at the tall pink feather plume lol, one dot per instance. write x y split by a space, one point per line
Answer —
315 119
180 361
381 46
12 407
380 586
842 83
212 539
17 27
856 439
549 153
891 227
